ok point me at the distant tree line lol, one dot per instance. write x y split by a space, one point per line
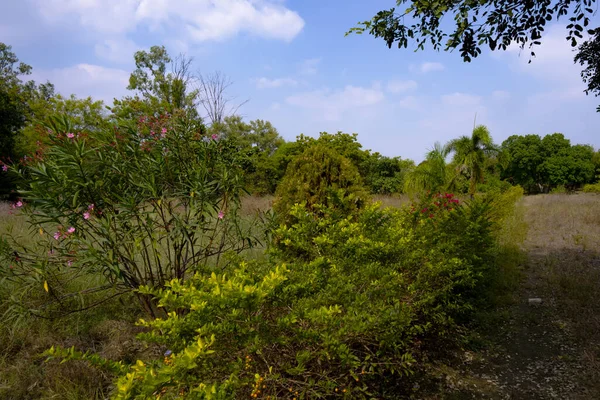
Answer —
162 85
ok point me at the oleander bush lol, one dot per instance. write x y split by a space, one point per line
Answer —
137 204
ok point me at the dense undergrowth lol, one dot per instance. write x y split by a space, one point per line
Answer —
342 298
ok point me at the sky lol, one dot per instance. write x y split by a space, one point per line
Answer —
292 61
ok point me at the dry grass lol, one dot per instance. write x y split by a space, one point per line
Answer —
251 205
564 261
395 201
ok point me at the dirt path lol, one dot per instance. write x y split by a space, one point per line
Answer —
549 350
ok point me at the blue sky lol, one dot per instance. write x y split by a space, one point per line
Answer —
292 61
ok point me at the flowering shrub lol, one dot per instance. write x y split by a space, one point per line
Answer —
357 308
139 203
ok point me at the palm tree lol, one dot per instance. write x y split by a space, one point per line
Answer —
432 174
470 154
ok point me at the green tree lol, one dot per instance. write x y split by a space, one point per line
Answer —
386 175
320 176
588 55
433 174
495 23
18 100
85 115
540 164
165 90
471 153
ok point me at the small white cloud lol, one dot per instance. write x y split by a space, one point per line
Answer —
332 104
427 67
310 66
266 83
399 86
458 99
410 103
116 50
85 80
500 95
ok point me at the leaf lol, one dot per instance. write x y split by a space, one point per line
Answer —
46 286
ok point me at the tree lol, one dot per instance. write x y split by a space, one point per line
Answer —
86 115
18 101
495 23
13 108
588 56
540 164
471 153
213 97
166 91
432 174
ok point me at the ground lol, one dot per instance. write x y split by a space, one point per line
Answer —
549 350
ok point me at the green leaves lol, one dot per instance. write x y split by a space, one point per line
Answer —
497 23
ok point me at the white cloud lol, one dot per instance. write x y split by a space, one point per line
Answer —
85 80
116 50
428 67
410 103
398 86
500 95
458 99
266 83
310 66
197 20
553 62
332 104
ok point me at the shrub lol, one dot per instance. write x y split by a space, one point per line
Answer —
322 176
592 188
359 304
137 204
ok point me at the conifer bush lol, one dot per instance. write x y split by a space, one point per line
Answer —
320 176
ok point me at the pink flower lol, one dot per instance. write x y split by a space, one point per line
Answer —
19 204
57 235
86 215
69 263
70 135
221 214
91 207
5 168
214 136
71 230
163 131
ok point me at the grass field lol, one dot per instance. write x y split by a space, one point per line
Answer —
546 351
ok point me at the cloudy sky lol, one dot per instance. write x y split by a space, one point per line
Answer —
292 61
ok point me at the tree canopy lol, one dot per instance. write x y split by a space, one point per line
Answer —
588 56
492 23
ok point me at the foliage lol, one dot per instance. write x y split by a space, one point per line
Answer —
167 90
137 203
353 316
471 153
588 55
540 164
495 23
16 97
386 175
85 115
257 142
320 175
592 188
433 174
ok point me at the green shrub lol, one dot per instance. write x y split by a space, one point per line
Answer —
592 188
138 204
355 310
320 176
